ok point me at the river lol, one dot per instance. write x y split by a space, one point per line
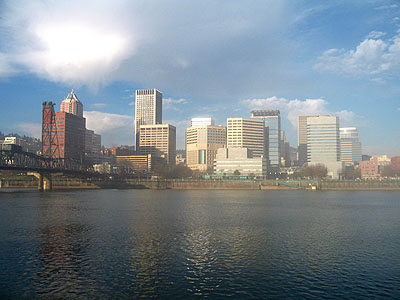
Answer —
199 244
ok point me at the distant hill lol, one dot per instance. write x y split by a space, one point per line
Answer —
34 145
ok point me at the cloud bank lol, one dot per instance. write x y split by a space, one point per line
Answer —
115 129
165 44
30 129
372 56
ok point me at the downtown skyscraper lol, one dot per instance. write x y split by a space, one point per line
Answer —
148 110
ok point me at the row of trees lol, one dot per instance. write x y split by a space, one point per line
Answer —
320 171
388 171
307 171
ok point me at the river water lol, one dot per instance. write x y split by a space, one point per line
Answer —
166 244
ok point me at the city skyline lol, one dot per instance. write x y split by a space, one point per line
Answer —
321 62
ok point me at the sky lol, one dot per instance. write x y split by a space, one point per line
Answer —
209 58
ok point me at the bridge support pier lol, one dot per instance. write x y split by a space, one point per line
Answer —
45 181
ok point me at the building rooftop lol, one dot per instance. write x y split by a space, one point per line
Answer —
265 113
72 97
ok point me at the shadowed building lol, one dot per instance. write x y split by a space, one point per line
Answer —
350 146
138 164
70 136
302 140
158 140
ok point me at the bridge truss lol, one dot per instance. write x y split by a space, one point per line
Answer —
26 161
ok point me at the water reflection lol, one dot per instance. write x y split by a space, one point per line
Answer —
199 244
62 250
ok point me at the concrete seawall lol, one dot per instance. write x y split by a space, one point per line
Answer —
66 183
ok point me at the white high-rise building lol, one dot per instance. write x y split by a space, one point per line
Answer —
350 146
148 110
323 143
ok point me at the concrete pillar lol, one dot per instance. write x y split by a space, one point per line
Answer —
45 182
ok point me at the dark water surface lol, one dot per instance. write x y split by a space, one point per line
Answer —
128 244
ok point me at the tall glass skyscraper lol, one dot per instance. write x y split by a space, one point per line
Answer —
323 144
272 121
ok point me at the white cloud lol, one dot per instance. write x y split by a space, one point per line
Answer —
67 42
174 104
99 105
30 129
154 43
115 129
5 67
131 103
372 56
294 108
174 101
376 34
392 6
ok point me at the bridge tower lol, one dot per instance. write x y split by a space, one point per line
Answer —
49 131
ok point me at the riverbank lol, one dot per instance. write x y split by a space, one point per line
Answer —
68 183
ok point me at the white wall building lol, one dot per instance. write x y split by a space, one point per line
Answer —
229 160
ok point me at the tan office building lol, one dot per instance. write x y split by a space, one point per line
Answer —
202 143
158 140
247 133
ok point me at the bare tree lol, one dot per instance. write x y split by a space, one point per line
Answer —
314 171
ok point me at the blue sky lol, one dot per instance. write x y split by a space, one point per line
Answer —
209 58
